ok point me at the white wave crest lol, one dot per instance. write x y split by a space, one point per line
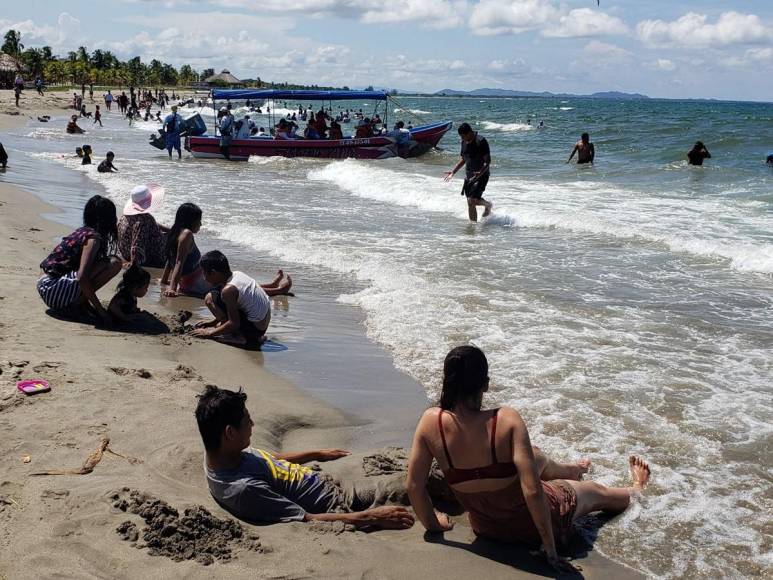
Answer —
506 127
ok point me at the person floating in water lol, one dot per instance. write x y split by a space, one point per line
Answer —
476 155
584 149
769 161
697 154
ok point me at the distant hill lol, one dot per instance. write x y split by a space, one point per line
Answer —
510 93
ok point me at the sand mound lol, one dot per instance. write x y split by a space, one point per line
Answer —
196 535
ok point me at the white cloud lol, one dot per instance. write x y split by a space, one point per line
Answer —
493 17
664 64
430 13
760 58
603 50
586 22
66 33
695 31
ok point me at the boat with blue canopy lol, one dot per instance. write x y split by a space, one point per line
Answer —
410 142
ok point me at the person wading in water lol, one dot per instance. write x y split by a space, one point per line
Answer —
476 155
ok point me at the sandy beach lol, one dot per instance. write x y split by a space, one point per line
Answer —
132 396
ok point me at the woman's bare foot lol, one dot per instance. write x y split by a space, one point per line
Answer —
285 286
279 275
574 471
640 472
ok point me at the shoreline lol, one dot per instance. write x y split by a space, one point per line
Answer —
98 390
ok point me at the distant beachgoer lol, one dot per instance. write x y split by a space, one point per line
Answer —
86 160
226 126
72 126
258 486
584 149
3 157
18 87
511 490
39 86
476 156
335 131
541 125
106 165
109 100
172 128
83 262
83 90
140 239
91 91
97 116
697 154
769 160
84 112
183 256
240 306
133 285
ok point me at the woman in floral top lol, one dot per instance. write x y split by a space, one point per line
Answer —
83 262
141 240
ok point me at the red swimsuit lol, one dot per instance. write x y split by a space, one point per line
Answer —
502 514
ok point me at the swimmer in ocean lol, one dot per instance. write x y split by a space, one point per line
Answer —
476 155
584 149
697 154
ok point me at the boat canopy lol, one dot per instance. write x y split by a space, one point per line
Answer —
299 95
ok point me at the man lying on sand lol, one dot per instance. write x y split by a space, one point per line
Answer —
261 487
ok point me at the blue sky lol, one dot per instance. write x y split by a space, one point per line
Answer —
661 48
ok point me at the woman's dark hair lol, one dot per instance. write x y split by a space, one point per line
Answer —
465 374
134 277
464 129
698 145
217 409
187 215
215 261
100 214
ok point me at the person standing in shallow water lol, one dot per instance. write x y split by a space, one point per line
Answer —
697 154
586 153
476 156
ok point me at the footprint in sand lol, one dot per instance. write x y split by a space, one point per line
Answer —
123 372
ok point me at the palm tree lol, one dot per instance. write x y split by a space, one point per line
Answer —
12 43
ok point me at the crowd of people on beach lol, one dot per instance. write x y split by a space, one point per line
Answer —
95 253
511 490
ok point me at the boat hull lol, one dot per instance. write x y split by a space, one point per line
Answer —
241 149
419 141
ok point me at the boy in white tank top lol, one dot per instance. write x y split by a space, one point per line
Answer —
239 304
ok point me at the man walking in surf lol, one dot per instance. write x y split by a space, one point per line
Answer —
476 155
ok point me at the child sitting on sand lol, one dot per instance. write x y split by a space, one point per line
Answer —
134 285
239 304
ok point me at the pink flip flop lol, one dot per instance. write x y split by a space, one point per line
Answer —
33 386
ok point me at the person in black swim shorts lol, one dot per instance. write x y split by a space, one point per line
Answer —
476 155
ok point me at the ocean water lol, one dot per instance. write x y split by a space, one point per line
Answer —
626 308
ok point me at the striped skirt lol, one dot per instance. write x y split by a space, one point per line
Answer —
59 293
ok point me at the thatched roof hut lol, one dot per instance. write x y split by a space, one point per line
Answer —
224 78
9 66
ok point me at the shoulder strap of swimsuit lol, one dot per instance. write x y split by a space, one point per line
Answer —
443 438
493 437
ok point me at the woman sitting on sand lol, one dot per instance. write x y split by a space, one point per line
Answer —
511 490
141 240
83 262
183 256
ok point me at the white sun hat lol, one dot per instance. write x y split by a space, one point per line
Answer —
144 199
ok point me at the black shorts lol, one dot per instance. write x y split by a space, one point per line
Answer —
247 328
474 188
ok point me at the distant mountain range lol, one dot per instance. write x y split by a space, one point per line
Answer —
509 93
